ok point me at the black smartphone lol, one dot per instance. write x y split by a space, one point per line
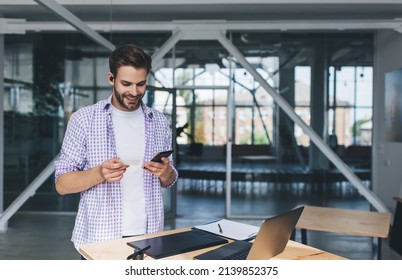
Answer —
158 157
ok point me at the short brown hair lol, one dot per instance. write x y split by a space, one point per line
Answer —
129 55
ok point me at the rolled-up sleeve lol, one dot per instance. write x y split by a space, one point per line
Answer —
73 150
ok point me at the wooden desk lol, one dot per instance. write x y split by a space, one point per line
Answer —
119 250
346 221
395 241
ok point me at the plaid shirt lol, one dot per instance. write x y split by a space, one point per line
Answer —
89 140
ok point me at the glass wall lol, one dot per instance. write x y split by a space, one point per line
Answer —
33 115
49 76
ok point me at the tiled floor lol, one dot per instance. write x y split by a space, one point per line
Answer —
47 236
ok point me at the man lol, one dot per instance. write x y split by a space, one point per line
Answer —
106 155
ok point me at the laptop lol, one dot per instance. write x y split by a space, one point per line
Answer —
177 243
270 241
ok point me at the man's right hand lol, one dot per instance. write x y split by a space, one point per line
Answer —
112 170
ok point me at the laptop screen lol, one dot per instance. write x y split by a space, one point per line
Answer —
274 234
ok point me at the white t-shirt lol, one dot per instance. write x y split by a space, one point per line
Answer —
129 131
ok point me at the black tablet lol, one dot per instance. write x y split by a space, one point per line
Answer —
177 243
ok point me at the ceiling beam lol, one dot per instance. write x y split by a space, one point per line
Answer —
166 47
209 2
76 22
155 26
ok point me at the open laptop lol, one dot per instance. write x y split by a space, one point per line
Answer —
270 241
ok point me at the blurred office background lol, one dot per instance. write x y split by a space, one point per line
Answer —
271 105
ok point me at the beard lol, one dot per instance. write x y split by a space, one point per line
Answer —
126 101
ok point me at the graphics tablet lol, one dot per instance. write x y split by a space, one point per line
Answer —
177 243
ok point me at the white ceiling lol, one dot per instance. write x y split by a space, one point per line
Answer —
164 15
160 10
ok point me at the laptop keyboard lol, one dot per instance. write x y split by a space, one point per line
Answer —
241 255
237 250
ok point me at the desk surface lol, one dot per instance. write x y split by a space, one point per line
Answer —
119 250
346 221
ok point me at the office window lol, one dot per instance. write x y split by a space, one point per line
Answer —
350 104
302 102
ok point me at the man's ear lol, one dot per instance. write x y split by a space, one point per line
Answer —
111 78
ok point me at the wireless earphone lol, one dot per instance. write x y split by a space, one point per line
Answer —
111 78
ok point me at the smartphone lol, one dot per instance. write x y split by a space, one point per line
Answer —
158 157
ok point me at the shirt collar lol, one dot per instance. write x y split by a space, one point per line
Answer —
147 111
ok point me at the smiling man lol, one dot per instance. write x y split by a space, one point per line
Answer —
106 157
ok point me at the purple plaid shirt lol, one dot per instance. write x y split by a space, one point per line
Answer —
89 140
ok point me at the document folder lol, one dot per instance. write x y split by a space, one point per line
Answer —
177 243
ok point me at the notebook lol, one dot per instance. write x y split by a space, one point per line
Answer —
230 229
270 241
177 243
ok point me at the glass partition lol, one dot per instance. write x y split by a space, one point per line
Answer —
49 76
